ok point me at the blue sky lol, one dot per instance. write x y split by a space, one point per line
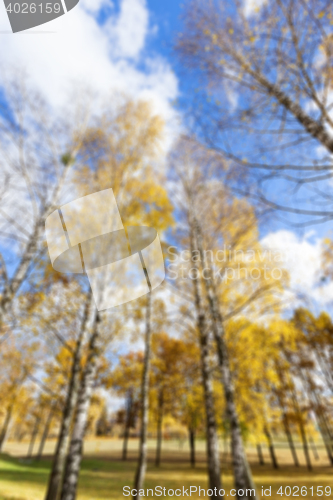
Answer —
166 16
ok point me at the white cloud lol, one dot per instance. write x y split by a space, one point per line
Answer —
75 50
94 5
302 258
251 7
131 28
232 95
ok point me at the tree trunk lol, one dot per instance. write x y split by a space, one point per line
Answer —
290 440
211 430
29 253
33 436
271 448
328 432
260 455
320 416
281 400
191 432
315 128
226 448
314 448
142 461
280 393
302 429
45 434
305 446
127 424
325 433
242 473
213 456
5 426
68 412
159 429
74 457
325 438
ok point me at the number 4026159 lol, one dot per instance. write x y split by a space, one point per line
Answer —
303 491
33 8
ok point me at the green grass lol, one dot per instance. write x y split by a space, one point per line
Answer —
102 478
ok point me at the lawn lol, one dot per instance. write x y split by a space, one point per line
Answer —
103 474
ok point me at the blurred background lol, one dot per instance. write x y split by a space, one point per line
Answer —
212 122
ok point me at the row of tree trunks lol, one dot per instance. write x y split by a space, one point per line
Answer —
142 461
261 459
74 457
323 424
213 459
325 437
242 473
70 405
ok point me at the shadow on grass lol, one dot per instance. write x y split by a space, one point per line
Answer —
102 479
97 477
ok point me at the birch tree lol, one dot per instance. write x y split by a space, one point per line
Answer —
71 402
37 150
266 79
74 456
219 221
242 474
119 148
145 382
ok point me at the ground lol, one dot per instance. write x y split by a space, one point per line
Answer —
104 474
